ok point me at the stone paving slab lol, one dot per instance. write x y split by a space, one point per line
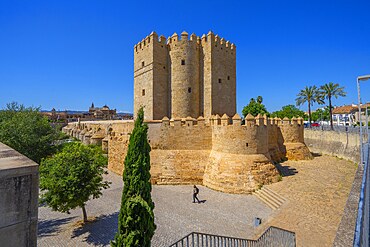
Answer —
175 216
316 193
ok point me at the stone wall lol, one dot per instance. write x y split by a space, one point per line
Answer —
238 173
185 76
341 144
19 188
151 76
219 152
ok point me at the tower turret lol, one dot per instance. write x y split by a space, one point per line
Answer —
184 61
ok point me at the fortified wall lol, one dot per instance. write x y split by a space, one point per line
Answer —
187 86
221 153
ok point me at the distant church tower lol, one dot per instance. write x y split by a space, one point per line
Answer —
182 77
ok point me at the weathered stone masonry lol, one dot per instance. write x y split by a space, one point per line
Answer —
185 76
19 192
222 154
185 85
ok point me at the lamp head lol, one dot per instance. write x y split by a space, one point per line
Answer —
363 78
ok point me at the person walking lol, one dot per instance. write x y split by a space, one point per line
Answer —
195 194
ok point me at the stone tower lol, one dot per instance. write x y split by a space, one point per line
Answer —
184 76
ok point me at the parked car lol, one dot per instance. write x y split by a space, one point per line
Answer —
315 125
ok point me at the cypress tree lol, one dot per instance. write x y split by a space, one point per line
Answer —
136 218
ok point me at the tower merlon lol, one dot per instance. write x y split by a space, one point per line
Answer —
189 121
162 39
250 120
225 119
217 39
184 35
210 37
176 122
259 120
204 38
294 121
277 121
237 120
174 37
165 121
200 121
300 121
193 37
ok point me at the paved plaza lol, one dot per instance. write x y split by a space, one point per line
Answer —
316 192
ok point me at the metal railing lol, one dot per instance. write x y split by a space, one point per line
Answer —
272 237
362 236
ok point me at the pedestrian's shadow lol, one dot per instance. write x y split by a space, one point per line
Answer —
202 201
101 231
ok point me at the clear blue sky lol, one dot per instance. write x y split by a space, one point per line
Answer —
67 54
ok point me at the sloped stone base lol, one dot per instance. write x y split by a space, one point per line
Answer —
240 174
297 151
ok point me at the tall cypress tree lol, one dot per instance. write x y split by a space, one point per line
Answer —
136 218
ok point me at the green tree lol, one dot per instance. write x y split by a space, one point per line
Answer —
288 111
71 177
321 114
27 131
136 218
309 95
255 107
328 91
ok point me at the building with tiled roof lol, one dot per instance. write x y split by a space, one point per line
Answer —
348 114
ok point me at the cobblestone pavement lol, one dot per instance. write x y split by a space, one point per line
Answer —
316 191
175 216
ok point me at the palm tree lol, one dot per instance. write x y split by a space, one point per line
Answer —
259 99
310 95
328 91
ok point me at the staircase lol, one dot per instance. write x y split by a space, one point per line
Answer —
269 197
273 236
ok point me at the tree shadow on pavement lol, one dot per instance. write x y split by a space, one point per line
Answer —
286 171
51 227
101 231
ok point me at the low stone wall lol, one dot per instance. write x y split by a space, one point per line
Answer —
19 189
341 144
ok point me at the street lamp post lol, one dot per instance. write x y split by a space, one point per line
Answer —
367 124
360 78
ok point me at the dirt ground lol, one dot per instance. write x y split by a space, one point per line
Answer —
316 192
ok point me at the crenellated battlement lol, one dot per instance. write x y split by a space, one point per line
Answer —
204 40
225 120
211 39
148 40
